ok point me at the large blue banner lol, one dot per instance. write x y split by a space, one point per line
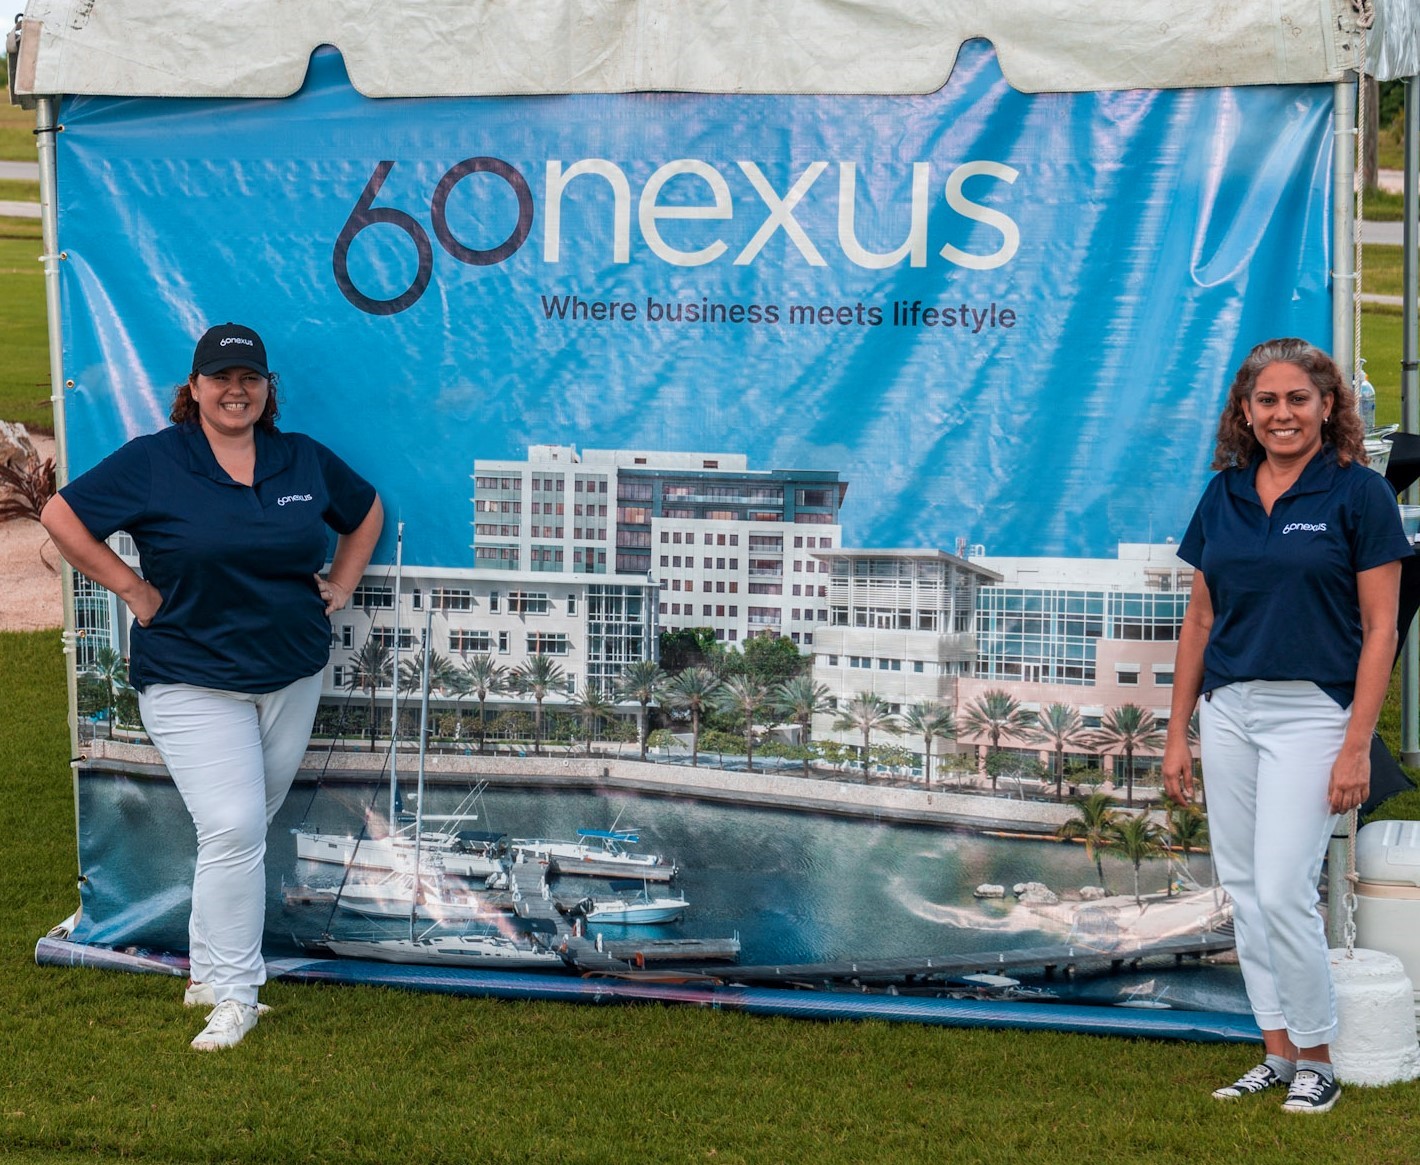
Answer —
971 318
1002 318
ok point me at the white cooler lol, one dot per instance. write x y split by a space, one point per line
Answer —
1388 893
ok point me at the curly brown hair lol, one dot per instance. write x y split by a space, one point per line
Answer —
184 408
1237 447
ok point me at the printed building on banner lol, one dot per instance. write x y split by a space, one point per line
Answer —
910 626
591 628
730 548
922 626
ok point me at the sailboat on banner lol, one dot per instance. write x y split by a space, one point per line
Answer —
496 943
464 853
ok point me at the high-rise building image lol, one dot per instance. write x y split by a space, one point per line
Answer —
730 548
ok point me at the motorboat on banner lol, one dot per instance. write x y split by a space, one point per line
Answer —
461 950
635 910
397 894
465 853
597 853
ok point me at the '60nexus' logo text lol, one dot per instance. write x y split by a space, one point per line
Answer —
702 192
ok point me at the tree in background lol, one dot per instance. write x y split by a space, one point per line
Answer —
537 676
996 715
689 647
1127 729
770 659
1188 831
370 669
1060 726
866 713
593 707
644 681
1138 840
412 680
1094 825
483 676
692 691
928 721
745 698
110 671
799 699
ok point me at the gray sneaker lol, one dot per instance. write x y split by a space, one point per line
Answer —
226 1027
1311 1092
1258 1079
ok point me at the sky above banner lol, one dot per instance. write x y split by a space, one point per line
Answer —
1003 318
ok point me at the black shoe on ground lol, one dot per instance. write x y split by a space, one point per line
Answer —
1258 1079
1311 1092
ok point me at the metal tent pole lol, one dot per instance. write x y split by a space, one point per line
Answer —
1343 223
46 128
1410 401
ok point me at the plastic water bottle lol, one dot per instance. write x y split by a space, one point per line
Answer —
1366 401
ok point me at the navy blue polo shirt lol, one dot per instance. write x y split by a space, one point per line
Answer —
1284 586
235 564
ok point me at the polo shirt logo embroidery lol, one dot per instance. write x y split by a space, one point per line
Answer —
307 498
1309 527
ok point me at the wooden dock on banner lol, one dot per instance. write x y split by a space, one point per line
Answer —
1047 961
544 913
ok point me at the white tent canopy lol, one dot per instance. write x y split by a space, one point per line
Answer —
407 48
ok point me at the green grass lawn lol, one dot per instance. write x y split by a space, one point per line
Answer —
17 136
1382 270
16 191
97 1068
24 341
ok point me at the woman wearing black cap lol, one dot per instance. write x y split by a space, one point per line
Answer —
231 626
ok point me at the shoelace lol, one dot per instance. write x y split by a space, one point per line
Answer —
228 1015
1255 1079
1308 1085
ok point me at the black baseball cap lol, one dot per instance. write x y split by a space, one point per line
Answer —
229 346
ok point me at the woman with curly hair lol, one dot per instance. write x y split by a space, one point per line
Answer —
231 518
1289 638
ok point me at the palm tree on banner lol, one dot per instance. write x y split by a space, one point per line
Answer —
593 708
747 697
866 713
693 689
370 670
929 720
537 675
799 699
1060 726
411 675
1094 825
1137 840
642 680
1127 729
996 715
484 676
458 689
1188 831
111 670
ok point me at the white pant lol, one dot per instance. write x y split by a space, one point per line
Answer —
232 756
1268 748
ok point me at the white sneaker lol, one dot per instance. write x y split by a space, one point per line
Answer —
227 1026
202 995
